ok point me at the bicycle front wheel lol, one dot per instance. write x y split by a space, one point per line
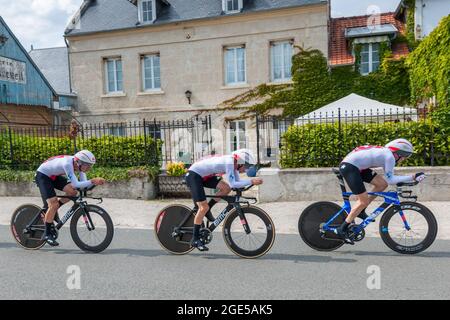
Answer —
421 234
260 239
92 229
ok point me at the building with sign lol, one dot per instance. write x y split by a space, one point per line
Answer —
26 96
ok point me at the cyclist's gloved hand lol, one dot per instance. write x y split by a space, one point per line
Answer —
419 176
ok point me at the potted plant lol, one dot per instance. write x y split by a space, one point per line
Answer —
172 182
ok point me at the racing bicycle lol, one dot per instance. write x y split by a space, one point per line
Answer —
91 227
406 227
248 231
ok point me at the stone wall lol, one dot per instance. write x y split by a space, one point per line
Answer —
317 184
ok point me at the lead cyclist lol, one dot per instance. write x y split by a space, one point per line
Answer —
356 168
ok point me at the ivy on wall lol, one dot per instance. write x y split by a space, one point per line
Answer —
315 85
429 70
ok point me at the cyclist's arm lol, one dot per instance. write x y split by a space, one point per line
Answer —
233 178
389 173
84 183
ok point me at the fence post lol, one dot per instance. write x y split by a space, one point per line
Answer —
11 151
155 143
147 158
257 138
339 133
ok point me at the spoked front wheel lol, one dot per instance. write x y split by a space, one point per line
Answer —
92 229
249 245
422 228
26 232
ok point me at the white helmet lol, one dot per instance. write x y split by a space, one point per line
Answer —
245 157
85 157
402 147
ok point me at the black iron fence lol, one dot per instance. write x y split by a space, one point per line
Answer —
324 138
120 144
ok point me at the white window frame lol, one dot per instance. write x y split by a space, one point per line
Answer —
141 11
236 73
237 131
370 62
225 6
272 65
116 129
106 60
152 71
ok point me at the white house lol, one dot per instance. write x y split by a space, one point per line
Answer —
427 15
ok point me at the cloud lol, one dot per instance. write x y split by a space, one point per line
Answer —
39 22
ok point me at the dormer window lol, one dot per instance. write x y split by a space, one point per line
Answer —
232 6
147 11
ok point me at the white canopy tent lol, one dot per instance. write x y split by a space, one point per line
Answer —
355 106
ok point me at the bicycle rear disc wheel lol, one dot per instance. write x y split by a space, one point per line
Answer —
310 221
255 244
95 240
166 221
21 218
423 230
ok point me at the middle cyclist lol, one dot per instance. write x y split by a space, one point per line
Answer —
207 172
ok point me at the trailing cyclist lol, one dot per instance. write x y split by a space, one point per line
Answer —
59 173
356 168
206 174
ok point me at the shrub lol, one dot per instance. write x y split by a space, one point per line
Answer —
325 145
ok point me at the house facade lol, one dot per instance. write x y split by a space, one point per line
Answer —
368 32
175 59
427 14
26 97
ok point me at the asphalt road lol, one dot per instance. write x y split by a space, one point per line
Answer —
135 267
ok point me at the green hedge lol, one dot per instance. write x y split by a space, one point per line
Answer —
29 151
324 145
110 174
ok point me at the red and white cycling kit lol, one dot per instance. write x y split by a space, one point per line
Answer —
366 157
63 165
218 165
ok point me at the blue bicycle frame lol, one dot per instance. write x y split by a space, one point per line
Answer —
390 198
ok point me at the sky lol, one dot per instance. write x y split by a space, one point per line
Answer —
41 23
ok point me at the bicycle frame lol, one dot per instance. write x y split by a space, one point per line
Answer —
390 198
78 203
233 202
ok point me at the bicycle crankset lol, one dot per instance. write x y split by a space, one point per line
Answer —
356 233
206 235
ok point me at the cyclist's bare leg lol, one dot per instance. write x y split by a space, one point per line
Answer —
202 210
224 189
362 201
379 185
70 192
53 207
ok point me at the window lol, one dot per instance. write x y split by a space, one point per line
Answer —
233 5
114 82
237 135
235 65
281 61
147 10
151 74
370 57
116 129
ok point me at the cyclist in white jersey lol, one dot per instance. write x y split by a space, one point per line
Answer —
50 176
356 169
206 174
